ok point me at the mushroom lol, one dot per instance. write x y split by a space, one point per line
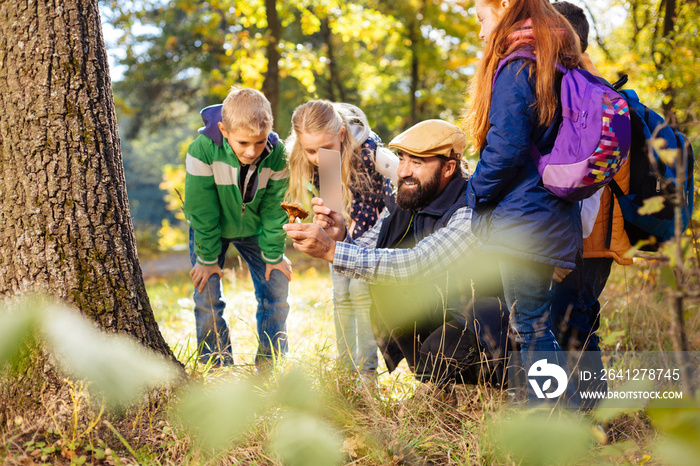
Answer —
294 210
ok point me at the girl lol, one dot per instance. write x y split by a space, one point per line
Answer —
532 230
342 127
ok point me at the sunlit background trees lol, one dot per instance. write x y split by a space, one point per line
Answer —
401 62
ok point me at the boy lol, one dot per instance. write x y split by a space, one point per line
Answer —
236 178
575 304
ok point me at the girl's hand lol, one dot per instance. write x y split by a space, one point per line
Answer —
312 240
331 221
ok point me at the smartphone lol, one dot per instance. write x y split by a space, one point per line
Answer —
330 179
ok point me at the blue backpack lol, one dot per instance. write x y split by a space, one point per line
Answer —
650 176
593 138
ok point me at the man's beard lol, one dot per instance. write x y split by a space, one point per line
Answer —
421 196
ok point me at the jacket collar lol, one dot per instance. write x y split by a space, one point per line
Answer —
447 198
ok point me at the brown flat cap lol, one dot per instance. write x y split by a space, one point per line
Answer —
431 138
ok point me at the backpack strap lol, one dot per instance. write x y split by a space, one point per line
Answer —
617 85
616 192
526 52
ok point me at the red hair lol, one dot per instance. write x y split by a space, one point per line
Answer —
562 46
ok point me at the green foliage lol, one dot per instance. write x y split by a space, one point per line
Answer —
652 205
541 437
680 444
305 440
360 52
610 408
117 368
16 326
220 414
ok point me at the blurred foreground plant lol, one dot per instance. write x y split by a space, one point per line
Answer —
115 367
221 415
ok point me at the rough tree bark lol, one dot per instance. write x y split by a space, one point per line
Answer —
65 226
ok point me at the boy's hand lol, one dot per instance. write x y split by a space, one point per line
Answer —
200 274
285 266
311 239
560 274
330 220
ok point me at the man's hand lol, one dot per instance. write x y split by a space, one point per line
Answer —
285 266
560 274
200 274
330 220
311 239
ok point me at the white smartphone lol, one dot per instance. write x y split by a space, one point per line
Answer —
330 179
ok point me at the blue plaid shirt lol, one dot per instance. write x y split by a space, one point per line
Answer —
431 256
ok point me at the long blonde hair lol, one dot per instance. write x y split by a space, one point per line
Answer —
554 40
317 117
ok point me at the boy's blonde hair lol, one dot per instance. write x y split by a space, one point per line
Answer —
246 108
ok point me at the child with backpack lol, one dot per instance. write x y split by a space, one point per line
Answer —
575 306
236 179
515 216
575 300
343 127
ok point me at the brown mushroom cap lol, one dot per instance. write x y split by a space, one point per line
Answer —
294 210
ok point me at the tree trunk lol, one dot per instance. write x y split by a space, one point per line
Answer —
414 34
271 84
334 80
65 226
669 103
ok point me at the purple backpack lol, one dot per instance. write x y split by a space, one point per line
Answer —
594 137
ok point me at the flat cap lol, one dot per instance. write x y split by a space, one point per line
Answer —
431 138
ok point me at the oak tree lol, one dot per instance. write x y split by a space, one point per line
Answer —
65 226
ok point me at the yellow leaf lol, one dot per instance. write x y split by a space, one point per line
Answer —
351 445
668 156
659 143
652 205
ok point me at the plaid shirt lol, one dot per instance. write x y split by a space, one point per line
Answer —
431 256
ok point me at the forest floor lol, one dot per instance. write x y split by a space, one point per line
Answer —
311 413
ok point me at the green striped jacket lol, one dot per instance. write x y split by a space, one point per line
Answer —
214 204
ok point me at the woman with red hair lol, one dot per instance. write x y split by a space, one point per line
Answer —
530 229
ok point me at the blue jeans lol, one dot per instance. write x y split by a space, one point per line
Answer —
575 317
213 339
526 287
357 348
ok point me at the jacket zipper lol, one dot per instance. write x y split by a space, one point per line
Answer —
252 170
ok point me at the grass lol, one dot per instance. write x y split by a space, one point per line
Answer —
395 421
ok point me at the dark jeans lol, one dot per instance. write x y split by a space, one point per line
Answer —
213 338
472 352
575 317
527 286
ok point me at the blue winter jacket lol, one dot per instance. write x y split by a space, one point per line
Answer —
513 212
